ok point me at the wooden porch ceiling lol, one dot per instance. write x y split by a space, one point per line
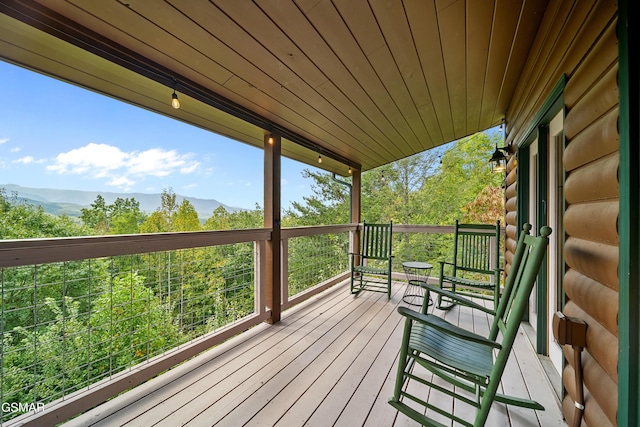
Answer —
363 83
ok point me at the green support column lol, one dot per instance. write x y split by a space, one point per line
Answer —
629 218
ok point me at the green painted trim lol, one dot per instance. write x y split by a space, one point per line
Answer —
629 220
550 107
522 194
542 219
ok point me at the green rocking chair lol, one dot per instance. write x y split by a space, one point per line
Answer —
371 268
464 359
473 270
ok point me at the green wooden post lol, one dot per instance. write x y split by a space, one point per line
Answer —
629 220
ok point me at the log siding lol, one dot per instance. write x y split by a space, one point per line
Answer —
580 43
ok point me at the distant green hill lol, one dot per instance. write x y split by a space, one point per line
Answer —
70 202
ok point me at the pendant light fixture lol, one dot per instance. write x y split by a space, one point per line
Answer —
499 157
175 102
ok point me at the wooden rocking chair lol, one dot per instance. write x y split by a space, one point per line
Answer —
371 268
464 359
473 270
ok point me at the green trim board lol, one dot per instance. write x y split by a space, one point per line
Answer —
538 129
550 107
629 220
542 219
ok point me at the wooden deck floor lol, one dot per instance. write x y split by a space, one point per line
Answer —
331 361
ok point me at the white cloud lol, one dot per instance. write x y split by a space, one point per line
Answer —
121 181
157 162
4 140
28 160
24 160
189 168
122 168
15 149
189 186
93 159
284 182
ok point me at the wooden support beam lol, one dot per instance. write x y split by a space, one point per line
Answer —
356 214
272 219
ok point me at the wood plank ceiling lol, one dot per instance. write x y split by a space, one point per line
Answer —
362 83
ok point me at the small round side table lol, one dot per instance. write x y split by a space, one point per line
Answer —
417 272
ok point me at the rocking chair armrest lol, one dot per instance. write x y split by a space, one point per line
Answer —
442 266
459 299
445 327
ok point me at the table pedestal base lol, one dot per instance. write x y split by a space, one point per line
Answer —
417 273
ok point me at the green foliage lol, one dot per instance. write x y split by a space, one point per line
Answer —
313 259
434 187
20 220
125 325
61 348
185 218
123 216
221 219
170 216
328 205
155 223
464 173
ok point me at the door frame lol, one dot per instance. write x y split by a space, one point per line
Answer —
538 129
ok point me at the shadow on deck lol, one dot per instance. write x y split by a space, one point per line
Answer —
330 361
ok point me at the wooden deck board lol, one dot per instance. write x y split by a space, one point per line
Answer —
332 390
331 361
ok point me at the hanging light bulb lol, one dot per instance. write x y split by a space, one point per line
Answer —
319 158
270 140
349 170
175 103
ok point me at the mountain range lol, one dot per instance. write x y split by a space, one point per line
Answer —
70 202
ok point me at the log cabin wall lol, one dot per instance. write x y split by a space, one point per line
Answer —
578 40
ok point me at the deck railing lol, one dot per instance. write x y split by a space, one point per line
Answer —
86 318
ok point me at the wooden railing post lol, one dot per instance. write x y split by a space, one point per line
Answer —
260 274
272 218
284 269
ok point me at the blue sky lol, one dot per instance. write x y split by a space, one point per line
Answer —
56 135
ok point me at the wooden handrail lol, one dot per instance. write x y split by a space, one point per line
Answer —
14 253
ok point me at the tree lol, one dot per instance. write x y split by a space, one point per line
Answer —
39 355
161 220
20 220
222 219
123 216
328 205
168 205
98 216
463 174
486 208
132 322
185 218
